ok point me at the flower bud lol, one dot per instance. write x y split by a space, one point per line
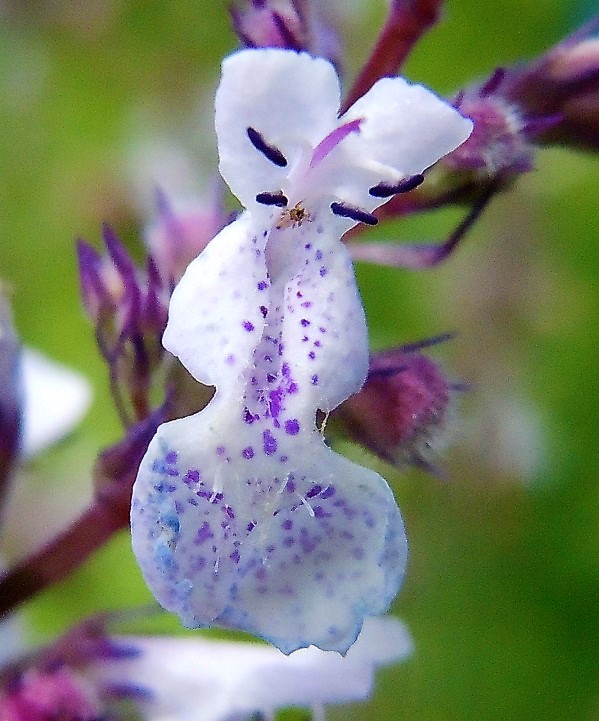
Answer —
180 233
499 143
128 307
563 84
49 695
291 24
403 409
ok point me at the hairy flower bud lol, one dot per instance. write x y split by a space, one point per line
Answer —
563 84
290 24
128 307
403 409
499 141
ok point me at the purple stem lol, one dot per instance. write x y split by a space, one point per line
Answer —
115 473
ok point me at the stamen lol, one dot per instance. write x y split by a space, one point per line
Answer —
386 190
269 151
348 211
277 199
332 140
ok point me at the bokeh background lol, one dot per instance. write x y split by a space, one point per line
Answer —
102 99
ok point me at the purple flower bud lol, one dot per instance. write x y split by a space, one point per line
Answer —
128 307
403 409
554 99
499 142
291 24
48 695
562 85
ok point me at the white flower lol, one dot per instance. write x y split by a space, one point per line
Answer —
186 679
241 514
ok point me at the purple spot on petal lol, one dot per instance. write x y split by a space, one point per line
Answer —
248 326
314 491
287 524
292 427
314 380
304 322
230 359
307 304
203 534
262 285
264 311
171 457
250 527
318 255
248 453
235 556
269 443
323 271
328 492
192 476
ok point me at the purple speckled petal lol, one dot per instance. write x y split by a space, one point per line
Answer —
298 552
214 316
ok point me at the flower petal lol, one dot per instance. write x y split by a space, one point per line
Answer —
298 545
214 315
56 399
232 680
406 128
290 99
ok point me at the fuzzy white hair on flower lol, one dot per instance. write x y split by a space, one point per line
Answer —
241 515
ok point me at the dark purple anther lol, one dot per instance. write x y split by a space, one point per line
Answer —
277 199
348 211
386 190
269 151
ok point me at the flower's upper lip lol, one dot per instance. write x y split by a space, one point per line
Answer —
394 132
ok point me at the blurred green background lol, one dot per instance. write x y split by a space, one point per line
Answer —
502 589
